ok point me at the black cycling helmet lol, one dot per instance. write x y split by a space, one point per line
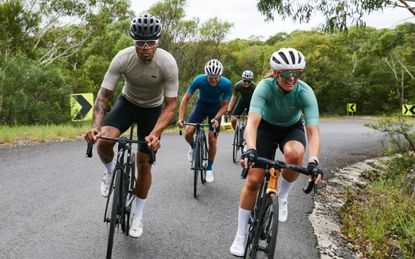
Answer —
145 27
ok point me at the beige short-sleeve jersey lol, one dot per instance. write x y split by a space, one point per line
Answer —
146 83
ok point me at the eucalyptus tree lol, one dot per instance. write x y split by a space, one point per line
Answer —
339 15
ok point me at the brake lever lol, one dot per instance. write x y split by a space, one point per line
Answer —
245 171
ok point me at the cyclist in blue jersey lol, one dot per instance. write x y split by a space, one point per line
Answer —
275 117
214 94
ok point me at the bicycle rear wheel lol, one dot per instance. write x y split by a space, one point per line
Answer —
262 238
235 144
113 220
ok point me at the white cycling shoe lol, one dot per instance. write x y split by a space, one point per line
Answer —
209 176
105 184
282 210
136 229
238 246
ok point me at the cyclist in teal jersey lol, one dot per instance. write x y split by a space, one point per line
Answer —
275 117
241 95
214 95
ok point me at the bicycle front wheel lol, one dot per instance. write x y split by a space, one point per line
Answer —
262 238
235 144
114 210
196 165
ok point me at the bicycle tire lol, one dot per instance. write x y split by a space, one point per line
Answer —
203 158
128 193
235 144
196 166
241 138
114 211
264 239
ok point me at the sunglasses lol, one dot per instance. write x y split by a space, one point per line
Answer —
142 44
214 77
247 81
289 73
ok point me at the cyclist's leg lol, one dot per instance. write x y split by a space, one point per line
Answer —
265 140
117 121
237 110
196 116
146 119
293 146
210 110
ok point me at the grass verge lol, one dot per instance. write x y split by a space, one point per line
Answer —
380 220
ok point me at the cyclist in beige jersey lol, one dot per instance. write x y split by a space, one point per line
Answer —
151 80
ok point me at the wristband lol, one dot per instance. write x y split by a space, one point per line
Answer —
313 159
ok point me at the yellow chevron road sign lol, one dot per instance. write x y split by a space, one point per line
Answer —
351 107
81 106
408 109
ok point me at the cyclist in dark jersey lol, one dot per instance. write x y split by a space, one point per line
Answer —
214 95
241 95
151 79
275 117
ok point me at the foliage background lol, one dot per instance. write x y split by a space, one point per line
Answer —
50 49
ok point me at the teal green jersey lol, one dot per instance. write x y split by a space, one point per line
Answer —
284 108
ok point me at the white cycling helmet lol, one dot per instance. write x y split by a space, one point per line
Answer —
247 75
213 68
287 58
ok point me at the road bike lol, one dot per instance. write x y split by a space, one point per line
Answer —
263 223
200 154
238 137
122 187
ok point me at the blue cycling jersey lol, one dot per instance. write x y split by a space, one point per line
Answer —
211 94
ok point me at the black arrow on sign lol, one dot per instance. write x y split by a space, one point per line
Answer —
86 106
406 109
352 107
412 110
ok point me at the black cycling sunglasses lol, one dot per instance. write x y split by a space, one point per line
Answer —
289 73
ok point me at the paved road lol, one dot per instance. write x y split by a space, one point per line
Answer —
51 207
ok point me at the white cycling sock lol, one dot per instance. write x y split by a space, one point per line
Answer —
139 207
243 218
110 167
285 188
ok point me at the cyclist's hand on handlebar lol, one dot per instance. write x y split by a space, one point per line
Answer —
249 156
215 123
180 123
92 135
313 168
153 142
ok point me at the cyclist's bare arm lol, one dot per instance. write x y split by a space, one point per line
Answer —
313 137
251 131
182 109
232 103
219 114
98 114
163 121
